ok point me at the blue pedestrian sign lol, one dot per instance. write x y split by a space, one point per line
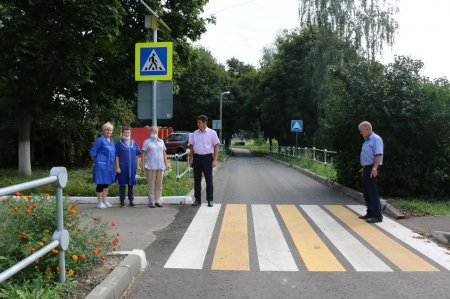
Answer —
296 126
153 61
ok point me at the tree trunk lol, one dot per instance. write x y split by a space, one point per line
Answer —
24 153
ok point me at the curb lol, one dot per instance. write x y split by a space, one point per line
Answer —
356 195
118 281
139 200
443 237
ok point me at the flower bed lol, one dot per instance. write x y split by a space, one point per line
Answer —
27 224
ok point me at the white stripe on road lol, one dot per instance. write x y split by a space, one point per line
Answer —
416 241
359 256
273 251
191 251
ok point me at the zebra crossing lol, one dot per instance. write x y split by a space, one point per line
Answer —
328 238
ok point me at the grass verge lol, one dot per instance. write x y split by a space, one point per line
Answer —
421 207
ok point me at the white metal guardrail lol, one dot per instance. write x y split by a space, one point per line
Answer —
58 177
322 156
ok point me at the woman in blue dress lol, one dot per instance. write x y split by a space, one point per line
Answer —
103 152
127 160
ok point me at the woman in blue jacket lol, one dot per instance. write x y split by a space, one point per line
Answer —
103 153
127 157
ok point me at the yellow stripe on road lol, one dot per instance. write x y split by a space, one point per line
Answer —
314 252
232 247
400 256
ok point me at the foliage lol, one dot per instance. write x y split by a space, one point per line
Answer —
200 88
67 67
367 25
289 86
408 111
27 224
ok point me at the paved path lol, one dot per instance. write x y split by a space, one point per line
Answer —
276 233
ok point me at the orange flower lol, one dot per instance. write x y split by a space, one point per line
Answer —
95 251
28 212
4 200
55 251
34 206
46 194
27 197
113 223
27 206
16 208
69 225
23 234
73 212
106 234
96 244
32 250
17 194
73 206
49 277
41 243
71 272
82 256
79 229
103 258
75 257
48 269
74 237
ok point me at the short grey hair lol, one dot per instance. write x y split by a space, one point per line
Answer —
365 124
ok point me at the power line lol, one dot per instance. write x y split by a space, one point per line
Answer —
231 7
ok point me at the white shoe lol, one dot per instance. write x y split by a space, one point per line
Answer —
107 204
101 206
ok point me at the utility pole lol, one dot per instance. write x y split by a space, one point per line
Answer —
221 104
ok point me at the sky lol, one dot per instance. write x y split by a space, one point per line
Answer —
244 27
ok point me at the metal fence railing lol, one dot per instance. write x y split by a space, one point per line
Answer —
322 156
181 170
58 177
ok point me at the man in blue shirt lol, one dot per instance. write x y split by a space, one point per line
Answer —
371 161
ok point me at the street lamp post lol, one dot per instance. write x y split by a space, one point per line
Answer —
221 123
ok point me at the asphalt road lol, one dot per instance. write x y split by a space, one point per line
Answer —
261 259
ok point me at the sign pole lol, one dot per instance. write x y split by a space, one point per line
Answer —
155 83
296 140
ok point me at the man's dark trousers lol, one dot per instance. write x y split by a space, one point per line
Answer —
370 191
202 164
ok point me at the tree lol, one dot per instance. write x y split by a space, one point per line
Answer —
78 54
409 112
199 90
367 24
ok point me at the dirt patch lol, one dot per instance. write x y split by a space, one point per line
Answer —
85 283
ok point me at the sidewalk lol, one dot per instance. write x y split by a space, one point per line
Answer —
136 226
425 224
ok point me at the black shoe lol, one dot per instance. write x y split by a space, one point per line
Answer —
152 206
210 204
132 205
374 220
197 203
122 204
365 217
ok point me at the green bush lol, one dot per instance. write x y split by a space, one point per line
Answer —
239 143
27 224
411 114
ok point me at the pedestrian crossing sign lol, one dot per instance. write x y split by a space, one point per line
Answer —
153 61
296 126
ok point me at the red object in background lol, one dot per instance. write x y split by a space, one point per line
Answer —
141 134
